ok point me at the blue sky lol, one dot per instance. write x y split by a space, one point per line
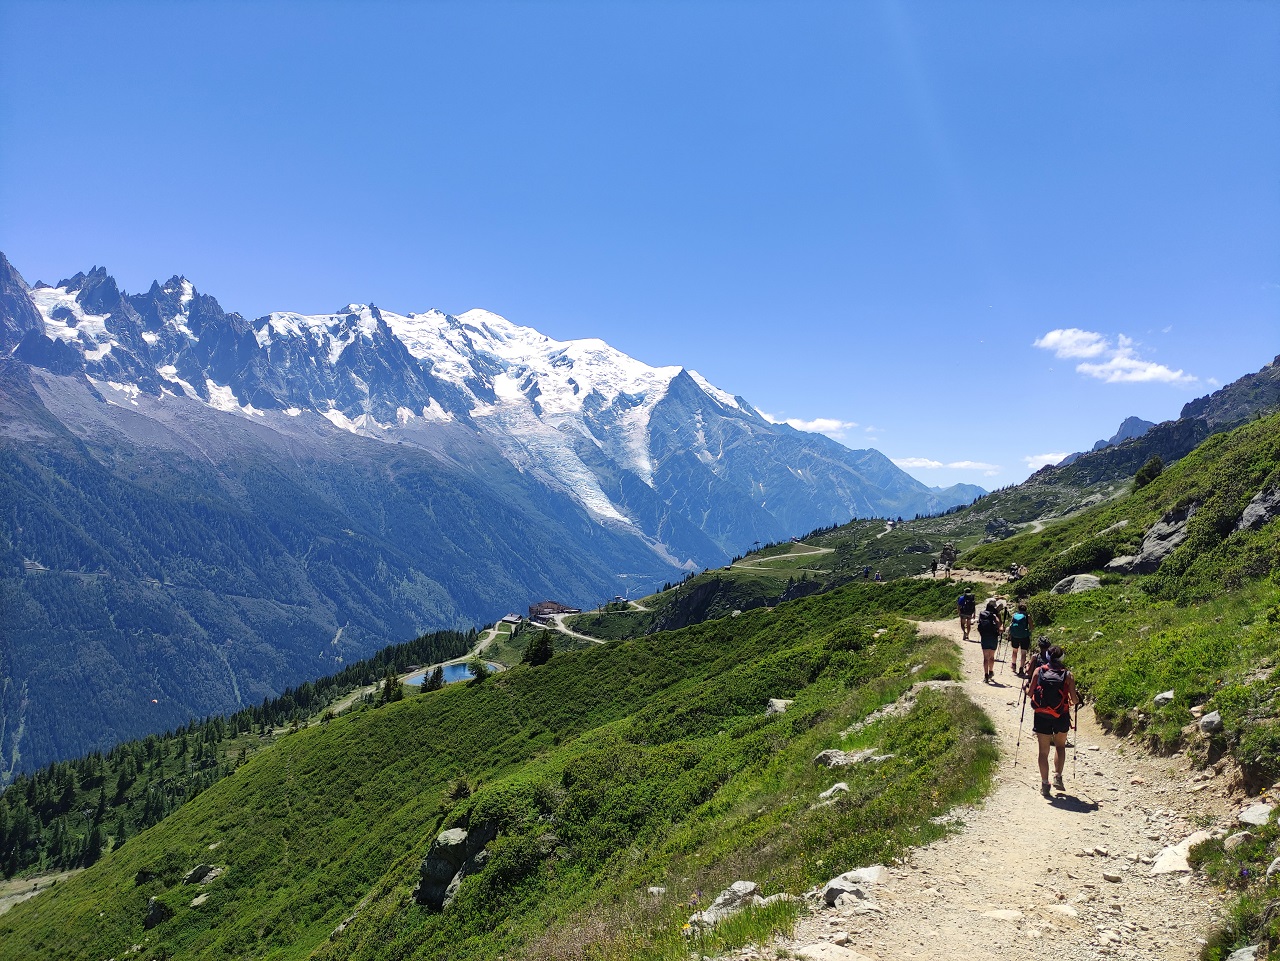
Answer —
969 235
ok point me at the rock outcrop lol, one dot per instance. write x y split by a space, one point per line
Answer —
157 913
454 855
1262 510
1164 537
1077 584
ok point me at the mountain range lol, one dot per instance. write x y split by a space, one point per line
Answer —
201 510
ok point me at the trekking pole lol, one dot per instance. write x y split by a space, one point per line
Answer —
1021 717
1075 740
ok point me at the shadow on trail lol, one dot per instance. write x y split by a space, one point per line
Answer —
1077 805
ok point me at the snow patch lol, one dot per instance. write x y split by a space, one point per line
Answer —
224 399
721 397
434 412
356 425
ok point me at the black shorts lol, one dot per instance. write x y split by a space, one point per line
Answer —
1048 724
1020 643
989 643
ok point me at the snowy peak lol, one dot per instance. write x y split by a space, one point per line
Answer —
657 452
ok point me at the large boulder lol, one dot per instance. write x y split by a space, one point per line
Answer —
1262 510
454 855
157 913
1163 539
1077 584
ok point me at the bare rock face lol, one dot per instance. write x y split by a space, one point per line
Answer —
1262 510
454 855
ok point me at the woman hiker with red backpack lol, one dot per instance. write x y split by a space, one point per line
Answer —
1052 691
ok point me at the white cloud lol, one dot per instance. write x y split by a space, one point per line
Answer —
829 426
1117 364
1073 342
1036 461
925 463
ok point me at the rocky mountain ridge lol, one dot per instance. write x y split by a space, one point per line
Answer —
608 430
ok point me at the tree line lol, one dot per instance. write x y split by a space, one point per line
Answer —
70 813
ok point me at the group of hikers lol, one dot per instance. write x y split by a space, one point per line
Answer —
1047 684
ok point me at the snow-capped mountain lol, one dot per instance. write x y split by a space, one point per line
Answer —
625 440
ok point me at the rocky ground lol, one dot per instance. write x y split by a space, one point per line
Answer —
1023 877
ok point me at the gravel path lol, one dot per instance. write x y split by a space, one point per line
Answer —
1015 883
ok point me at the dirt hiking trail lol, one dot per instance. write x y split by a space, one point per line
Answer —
1015 883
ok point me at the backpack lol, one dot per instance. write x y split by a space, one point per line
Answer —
966 604
1049 691
988 624
1020 628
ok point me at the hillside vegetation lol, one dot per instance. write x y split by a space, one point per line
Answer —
605 771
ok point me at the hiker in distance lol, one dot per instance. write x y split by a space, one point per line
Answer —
966 604
1052 691
1020 628
990 626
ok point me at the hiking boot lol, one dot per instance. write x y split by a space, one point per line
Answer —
1057 782
1044 789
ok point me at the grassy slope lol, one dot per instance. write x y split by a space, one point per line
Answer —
611 768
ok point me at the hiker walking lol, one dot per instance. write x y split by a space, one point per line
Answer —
1052 691
1020 628
989 628
966 604
934 567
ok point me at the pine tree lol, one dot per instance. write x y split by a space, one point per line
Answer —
435 680
539 649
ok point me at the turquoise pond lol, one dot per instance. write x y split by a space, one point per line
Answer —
452 672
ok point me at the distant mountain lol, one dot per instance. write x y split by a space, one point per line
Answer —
1130 428
1252 395
231 506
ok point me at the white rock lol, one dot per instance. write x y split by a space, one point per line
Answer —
727 903
777 705
1244 954
1172 860
1256 815
1003 914
1211 723
1163 698
1273 869
657 892
838 787
1233 842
